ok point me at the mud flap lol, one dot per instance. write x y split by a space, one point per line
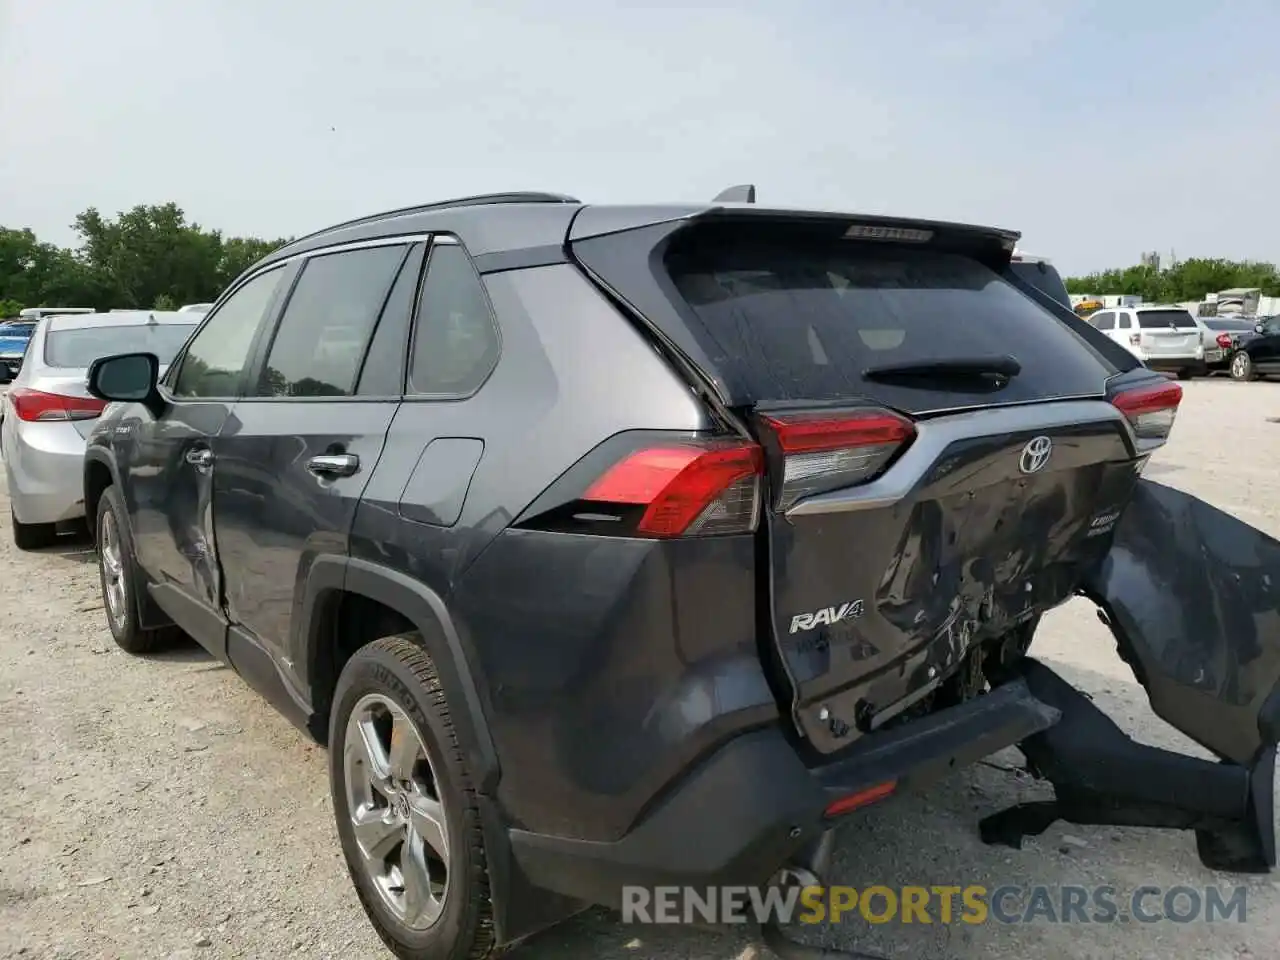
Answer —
1192 595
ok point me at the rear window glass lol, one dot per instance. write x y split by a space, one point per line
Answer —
1228 324
1158 319
80 347
804 321
1044 278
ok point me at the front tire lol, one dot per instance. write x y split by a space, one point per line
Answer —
1242 367
405 806
117 574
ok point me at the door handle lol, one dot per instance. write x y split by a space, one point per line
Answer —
201 459
334 464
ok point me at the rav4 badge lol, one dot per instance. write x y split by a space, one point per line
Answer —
807 621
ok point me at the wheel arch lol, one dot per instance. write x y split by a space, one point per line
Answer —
333 578
99 473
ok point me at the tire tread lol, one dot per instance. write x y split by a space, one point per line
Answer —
408 649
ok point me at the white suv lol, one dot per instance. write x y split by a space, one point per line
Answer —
1164 338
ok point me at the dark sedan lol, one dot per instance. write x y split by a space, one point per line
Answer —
1255 352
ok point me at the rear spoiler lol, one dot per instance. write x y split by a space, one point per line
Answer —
993 245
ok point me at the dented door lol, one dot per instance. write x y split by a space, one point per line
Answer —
1193 598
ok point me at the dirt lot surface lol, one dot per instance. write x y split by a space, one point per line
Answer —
158 808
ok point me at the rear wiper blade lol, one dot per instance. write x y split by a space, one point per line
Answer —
981 368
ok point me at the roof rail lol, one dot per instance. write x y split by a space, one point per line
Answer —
742 193
478 200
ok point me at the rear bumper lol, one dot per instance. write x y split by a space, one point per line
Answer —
753 807
45 464
746 810
1176 364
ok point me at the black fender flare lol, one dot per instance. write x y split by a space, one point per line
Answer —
427 611
98 455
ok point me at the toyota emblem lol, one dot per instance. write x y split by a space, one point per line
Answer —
1035 454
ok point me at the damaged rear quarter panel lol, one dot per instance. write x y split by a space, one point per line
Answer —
1192 595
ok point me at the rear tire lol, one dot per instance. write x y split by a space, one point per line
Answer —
1186 373
32 536
1242 368
395 758
118 576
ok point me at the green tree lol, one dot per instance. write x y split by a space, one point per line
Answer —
148 256
1186 280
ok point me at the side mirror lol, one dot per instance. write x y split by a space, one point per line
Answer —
126 378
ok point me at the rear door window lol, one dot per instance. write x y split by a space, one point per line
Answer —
327 323
1123 321
806 321
1166 319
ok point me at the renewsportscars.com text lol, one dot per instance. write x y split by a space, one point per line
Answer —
972 904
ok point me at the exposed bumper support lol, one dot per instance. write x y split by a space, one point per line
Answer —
1101 776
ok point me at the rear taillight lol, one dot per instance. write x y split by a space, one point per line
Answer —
689 489
827 451
33 405
1150 411
1224 341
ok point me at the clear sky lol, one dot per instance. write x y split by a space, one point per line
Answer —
1097 129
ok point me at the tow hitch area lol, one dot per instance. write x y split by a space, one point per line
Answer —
1192 596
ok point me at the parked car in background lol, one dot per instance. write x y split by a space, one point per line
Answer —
1220 337
36 313
14 337
48 411
1258 355
640 545
1163 338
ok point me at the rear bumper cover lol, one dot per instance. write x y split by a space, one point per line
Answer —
753 807
747 809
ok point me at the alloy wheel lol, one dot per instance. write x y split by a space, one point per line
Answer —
1238 366
397 812
111 559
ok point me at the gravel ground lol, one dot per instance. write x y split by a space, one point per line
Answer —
159 808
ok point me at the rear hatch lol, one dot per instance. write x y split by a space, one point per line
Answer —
1168 333
943 458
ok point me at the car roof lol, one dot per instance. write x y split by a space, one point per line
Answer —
121 318
530 221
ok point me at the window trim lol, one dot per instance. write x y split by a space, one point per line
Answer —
448 240
262 350
270 316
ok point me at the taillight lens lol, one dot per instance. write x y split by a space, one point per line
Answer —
33 405
702 488
826 451
1224 341
1150 411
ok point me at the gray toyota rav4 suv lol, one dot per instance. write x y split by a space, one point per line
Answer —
611 545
